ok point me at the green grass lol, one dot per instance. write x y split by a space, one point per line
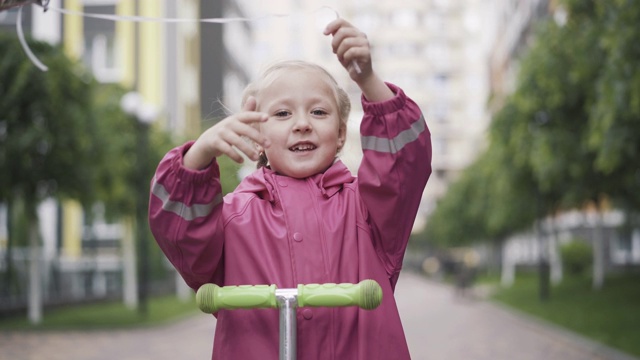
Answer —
610 316
105 316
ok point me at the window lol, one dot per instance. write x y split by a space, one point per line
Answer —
405 18
404 79
439 85
367 22
439 111
100 57
438 53
100 53
404 49
439 145
442 4
436 23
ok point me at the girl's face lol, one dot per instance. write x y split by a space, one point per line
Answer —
304 124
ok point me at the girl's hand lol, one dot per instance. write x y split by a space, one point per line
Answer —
222 137
352 46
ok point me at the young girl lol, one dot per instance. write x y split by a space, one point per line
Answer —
301 217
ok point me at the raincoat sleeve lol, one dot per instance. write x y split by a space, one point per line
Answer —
396 165
185 216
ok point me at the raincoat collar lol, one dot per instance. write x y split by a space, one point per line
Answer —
262 182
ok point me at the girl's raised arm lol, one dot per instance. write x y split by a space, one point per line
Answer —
352 46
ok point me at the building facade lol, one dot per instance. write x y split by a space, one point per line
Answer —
161 61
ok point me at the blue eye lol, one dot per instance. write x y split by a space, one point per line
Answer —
319 112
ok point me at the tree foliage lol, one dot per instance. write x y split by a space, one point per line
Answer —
47 128
64 135
569 134
119 173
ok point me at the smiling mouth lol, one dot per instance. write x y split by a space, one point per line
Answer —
302 147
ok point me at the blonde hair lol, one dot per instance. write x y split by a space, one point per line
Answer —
272 72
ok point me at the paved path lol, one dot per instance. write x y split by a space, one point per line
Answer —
438 326
189 339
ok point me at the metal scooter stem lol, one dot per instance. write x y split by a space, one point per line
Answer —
287 300
367 294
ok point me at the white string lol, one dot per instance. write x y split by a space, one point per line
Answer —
163 20
132 18
25 46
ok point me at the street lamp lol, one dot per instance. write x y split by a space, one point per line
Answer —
145 114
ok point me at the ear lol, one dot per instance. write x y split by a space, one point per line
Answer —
342 136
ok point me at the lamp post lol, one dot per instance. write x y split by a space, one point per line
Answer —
144 114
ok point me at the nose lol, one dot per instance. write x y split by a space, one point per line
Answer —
301 124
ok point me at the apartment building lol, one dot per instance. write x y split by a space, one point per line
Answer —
179 69
448 55
437 51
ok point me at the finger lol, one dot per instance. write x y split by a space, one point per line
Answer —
360 44
242 145
250 104
249 149
252 134
341 35
228 150
334 26
250 117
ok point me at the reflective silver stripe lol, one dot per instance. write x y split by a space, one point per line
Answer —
181 209
394 145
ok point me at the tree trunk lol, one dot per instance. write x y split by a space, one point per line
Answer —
543 262
554 255
508 266
8 275
183 291
130 276
35 272
598 251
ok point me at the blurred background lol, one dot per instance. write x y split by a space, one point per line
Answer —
533 107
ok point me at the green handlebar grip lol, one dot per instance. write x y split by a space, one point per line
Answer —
367 294
211 298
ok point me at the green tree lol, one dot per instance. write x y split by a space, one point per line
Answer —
493 197
568 137
584 153
47 136
614 117
117 174
62 135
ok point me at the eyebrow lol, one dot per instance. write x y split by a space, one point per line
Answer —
314 100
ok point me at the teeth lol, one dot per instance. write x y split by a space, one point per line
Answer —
303 147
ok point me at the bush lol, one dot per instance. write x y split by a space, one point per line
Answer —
576 256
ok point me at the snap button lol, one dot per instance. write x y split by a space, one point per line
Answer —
297 237
307 314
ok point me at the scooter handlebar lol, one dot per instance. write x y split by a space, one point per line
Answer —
367 294
211 298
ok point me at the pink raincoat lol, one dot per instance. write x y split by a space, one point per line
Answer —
330 227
